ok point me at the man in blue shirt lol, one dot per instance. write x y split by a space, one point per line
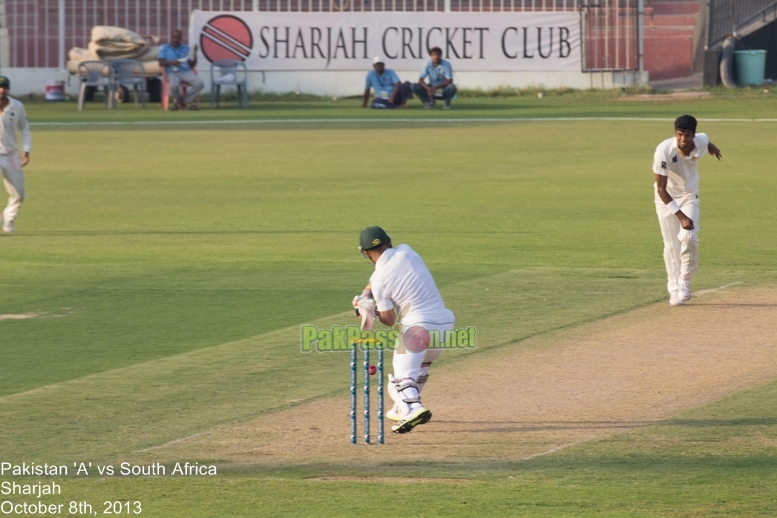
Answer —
390 92
440 76
178 60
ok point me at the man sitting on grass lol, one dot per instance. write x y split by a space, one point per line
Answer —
440 76
390 92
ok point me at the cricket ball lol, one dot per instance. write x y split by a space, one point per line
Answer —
372 370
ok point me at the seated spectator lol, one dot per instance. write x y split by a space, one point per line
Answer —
440 76
178 60
390 92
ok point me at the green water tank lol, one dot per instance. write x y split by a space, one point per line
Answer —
751 65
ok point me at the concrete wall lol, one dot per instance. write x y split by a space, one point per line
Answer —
33 80
341 84
672 29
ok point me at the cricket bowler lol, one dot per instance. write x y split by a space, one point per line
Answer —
677 203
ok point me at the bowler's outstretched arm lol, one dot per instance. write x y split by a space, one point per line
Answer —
714 151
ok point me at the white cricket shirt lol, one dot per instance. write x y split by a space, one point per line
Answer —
400 279
681 171
13 119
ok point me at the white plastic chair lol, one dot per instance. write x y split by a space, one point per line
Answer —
230 72
129 72
98 74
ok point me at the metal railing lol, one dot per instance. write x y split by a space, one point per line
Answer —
39 30
33 25
726 16
610 39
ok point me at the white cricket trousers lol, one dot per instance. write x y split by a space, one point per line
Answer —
13 178
681 247
408 364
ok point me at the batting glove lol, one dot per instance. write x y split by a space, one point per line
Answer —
367 310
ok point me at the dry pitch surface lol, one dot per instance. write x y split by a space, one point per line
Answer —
538 396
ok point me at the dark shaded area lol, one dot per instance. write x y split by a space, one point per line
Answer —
764 39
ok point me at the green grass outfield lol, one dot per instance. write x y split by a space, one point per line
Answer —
742 103
143 247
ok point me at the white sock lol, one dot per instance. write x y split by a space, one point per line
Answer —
399 406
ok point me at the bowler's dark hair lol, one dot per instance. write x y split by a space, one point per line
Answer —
685 123
435 50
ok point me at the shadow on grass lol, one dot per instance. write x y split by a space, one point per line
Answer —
517 427
238 232
704 423
739 305
599 459
513 427
617 464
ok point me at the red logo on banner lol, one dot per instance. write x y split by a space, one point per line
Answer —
226 37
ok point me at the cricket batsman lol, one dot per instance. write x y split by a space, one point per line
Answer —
402 293
677 203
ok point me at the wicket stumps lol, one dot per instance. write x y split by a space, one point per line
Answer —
366 375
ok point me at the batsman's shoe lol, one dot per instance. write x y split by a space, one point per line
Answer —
684 289
394 414
418 416
7 225
676 299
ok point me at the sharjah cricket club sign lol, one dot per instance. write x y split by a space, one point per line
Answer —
348 41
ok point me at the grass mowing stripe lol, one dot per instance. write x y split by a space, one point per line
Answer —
587 104
452 292
107 413
380 121
571 325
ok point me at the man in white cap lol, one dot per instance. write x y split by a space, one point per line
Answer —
390 92
401 280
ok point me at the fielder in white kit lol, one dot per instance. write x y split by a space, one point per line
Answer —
677 203
404 293
12 120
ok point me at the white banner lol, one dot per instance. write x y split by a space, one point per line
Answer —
503 41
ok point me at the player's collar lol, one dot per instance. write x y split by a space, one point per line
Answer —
682 153
384 257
